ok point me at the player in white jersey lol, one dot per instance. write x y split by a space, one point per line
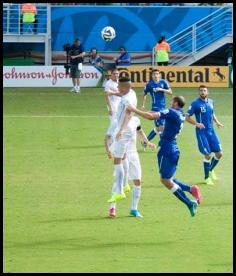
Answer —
122 136
133 168
112 101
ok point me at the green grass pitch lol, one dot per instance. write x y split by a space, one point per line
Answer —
57 180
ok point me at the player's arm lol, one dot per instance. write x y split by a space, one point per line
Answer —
124 123
111 93
144 101
219 125
193 122
142 136
145 114
166 89
106 143
108 103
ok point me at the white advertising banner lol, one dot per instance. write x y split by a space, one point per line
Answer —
47 76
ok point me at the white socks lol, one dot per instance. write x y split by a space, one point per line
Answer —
119 178
135 197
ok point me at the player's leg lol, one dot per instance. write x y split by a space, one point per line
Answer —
77 80
205 150
217 149
158 129
119 153
125 163
192 189
167 168
135 175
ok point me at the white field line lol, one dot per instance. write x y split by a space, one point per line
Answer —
66 116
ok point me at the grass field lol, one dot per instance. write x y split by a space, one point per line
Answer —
57 180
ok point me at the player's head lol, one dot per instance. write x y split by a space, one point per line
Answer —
124 85
115 75
203 91
156 75
93 51
77 42
162 38
122 50
178 102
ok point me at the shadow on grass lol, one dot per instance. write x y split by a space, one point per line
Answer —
98 218
84 243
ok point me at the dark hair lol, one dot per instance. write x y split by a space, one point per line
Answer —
94 48
77 39
155 70
180 100
123 48
114 70
202 86
124 79
161 39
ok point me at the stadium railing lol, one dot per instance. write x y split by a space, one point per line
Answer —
199 35
12 19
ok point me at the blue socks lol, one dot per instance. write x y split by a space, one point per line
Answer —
181 195
214 162
183 186
151 135
207 166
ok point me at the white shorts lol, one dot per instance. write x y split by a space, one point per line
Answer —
134 166
119 147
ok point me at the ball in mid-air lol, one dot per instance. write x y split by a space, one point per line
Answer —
108 33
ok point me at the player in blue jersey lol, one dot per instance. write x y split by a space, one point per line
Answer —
208 142
168 154
157 88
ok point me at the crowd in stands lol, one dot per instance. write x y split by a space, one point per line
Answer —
147 4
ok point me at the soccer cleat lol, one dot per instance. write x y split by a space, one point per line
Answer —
77 90
127 188
144 145
116 197
112 212
135 213
72 90
213 175
193 208
208 181
195 191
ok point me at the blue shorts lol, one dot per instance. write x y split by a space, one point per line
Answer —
158 122
167 164
208 141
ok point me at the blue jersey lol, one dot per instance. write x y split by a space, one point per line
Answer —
158 97
174 121
203 111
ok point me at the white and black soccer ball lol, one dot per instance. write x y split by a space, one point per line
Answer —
108 33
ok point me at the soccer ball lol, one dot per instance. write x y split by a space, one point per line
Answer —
108 33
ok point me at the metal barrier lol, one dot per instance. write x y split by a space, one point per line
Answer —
199 35
12 23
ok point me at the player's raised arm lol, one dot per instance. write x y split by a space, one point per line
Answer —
219 125
145 114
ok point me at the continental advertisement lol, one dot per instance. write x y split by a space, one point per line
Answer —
178 76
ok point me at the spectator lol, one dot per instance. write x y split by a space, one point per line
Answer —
124 59
28 16
95 59
162 50
76 61
229 54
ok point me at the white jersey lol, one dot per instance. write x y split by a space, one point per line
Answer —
133 124
126 100
114 100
